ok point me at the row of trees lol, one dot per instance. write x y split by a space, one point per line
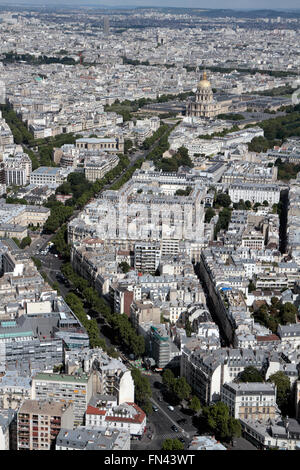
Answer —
127 107
247 205
162 146
251 71
231 117
127 175
155 136
91 326
142 390
59 214
126 335
82 191
10 57
124 332
178 388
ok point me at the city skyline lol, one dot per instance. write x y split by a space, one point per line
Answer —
213 4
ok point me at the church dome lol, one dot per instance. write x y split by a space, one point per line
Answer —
204 83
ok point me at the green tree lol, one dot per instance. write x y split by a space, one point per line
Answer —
195 404
37 262
209 214
142 390
223 199
168 379
124 267
181 388
188 328
26 241
251 286
283 394
219 421
172 444
250 374
288 313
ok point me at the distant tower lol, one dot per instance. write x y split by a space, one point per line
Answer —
106 25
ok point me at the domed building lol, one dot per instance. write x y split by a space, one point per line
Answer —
204 104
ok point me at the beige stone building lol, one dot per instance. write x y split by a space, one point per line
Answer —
142 312
107 144
204 104
250 400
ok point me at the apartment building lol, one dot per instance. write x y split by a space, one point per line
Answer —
64 388
253 401
254 192
39 423
111 376
207 371
49 176
143 311
96 166
17 169
147 256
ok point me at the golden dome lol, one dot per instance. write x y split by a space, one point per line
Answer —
204 83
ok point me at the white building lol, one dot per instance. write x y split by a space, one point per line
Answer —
127 417
254 193
49 176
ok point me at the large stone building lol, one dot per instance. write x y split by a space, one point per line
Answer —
254 401
106 144
204 104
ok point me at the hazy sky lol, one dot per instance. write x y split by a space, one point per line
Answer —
237 4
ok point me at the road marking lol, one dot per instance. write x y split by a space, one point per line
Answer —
170 419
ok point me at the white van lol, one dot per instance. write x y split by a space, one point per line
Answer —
171 408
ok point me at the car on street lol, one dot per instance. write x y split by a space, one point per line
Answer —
174 428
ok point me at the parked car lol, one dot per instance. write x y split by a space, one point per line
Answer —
171 408
154 408
175 429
